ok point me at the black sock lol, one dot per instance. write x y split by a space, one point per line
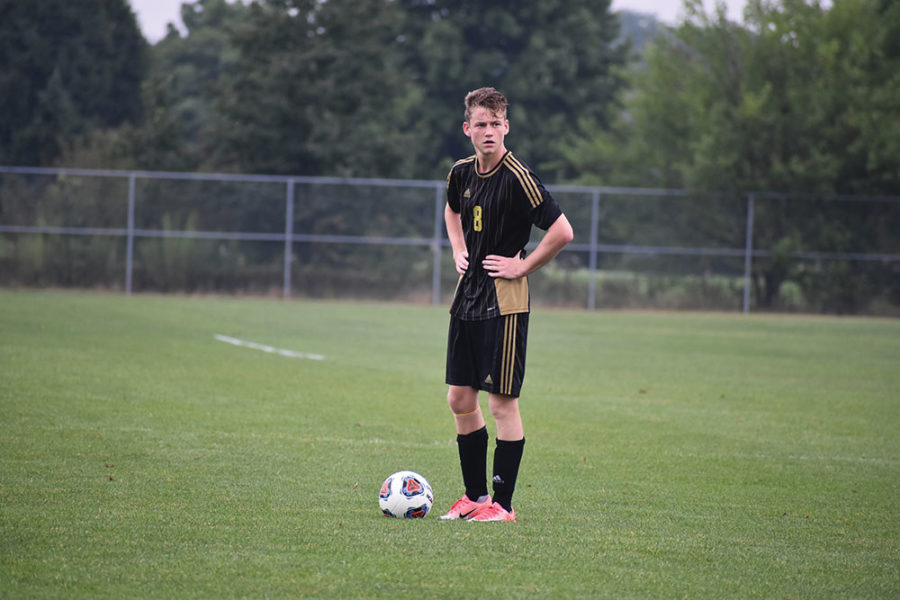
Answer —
507 458
473 460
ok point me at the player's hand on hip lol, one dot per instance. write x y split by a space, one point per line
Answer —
462 261
506 267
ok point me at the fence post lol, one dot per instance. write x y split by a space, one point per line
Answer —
288 237
129 252
592 259
748 252
436 245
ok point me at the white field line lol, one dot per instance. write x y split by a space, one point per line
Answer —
269 349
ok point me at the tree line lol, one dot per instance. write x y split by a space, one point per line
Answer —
369 88
798 97
802 97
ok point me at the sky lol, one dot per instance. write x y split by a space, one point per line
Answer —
153 15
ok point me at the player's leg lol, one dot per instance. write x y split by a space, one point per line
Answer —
472 436
505 410
463 401
510 446
509 368
472 444
471 440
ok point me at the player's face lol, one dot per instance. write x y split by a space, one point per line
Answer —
486 129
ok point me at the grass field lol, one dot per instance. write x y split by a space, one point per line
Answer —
669 455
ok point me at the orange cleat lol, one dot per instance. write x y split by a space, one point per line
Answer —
494 512
465 508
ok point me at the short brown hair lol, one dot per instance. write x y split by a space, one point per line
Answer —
486 97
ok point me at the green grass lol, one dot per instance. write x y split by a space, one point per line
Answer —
668 455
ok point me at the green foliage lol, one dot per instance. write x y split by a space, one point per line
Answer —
318 88
185 259
802 97
554 59
375 88
181 128
66 68
669 455
52 260
798 99
185 80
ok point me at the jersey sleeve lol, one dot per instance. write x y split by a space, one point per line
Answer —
542 208
453 190
547 211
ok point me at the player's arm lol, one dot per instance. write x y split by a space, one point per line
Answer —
557 237
457 239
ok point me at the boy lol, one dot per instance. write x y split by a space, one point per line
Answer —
493 199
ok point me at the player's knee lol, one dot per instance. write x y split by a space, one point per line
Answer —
462 401
503 407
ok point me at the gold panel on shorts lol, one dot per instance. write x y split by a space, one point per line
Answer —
512 295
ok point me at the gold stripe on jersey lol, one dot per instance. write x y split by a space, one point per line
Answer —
508 361
525 178
527 181
461 161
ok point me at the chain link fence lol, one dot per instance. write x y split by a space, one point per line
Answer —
315 237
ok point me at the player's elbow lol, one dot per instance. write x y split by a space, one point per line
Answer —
564 230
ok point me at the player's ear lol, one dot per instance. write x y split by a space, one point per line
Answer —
466 129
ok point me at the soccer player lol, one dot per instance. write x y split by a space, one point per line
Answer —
493 199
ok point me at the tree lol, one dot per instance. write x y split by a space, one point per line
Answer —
65 68
555 60
799 99
318 89
178 128
184 81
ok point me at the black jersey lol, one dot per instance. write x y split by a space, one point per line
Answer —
497 210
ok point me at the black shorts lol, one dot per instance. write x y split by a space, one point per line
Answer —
489 354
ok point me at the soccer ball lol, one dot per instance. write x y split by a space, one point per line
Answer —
405 494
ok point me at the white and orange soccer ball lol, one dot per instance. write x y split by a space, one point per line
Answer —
405 494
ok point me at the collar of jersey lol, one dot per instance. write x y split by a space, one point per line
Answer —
494 170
